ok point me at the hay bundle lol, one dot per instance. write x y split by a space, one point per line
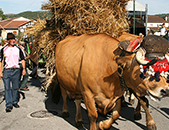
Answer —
77 17
91 16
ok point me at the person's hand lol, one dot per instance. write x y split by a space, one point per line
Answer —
28 56
23 72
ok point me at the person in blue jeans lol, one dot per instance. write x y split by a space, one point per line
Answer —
11 55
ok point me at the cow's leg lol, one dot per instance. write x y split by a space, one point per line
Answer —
149 119
115 115
65 111
91 108
78 120
137 113
146 101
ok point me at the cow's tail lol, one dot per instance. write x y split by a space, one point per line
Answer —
53 84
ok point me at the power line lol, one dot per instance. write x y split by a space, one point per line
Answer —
30 4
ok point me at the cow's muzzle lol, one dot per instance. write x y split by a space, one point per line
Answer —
158 96
167 93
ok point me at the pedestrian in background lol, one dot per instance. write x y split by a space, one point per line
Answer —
163 31
24 79
141 35
11 55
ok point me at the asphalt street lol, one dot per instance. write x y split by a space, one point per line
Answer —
38 112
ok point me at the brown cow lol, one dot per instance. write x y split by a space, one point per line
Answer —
86 65
127 36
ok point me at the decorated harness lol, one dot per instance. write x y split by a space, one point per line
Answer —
156 55
160 68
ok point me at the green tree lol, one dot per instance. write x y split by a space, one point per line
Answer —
31 15
2 14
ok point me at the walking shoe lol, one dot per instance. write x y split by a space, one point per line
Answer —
24 89
8 109
16 105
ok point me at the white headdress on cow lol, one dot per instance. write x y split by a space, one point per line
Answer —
155 63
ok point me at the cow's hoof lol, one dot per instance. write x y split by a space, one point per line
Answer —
152 127
65 114
79 124
137 116
98 126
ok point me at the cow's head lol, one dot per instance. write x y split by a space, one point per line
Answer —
147 70
154 73
142 77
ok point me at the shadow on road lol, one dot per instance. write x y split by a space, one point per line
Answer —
166 110
2 98
36 82
126 113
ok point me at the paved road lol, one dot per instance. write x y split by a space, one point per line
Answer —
33 113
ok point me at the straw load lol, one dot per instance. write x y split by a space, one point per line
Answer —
77 17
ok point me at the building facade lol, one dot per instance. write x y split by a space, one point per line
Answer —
140 17
154 23
14 25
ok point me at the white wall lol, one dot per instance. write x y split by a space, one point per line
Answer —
156 24
21 19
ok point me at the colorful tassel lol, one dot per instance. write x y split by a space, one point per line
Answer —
157 76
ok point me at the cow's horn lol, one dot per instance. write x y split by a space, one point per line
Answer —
140 57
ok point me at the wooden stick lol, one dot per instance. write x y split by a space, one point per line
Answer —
3 28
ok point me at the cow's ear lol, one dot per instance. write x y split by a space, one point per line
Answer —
130 46
124 61
124 44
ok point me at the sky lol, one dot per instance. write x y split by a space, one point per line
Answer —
156 6
18 6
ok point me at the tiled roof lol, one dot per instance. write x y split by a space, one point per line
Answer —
156 19
10 23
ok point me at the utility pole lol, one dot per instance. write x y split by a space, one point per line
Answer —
146 19
134 20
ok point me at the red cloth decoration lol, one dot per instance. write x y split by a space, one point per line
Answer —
134 44
161 65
